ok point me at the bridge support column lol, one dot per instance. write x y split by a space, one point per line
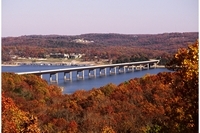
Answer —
92 75
83 74
95 72
155 65
70 76
137 67
119 71
100 71
57 77
115 70
65 76
89 74
79 77
129 68
133 68
123 69
141 67
148 66
51 78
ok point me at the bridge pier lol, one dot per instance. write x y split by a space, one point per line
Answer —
102 74
121 71
51 78
83 74
70 76
136 68
139 67
89 74
95 72
92 75
155 65
131 68
115 70
128 69
147 66
80 77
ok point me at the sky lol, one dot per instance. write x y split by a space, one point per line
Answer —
75 17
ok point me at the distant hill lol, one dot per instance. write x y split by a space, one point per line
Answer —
104 46
105 39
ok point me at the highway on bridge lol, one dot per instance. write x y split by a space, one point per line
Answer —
132 65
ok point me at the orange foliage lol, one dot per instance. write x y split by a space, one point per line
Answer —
166 102
15 120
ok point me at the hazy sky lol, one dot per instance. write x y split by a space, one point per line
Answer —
74 17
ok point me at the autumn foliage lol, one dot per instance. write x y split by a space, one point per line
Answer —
185 62
116 47
15 120
166 102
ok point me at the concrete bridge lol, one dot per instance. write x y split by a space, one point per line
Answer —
122 68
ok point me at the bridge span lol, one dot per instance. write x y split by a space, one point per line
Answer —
122 67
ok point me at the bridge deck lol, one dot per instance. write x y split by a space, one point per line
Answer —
88 67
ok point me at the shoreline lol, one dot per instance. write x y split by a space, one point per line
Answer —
72 63
9 65
160 66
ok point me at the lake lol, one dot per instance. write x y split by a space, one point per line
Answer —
86 83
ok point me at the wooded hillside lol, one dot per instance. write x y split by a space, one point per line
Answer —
166 102
115 47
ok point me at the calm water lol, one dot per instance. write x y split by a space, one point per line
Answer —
86 83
